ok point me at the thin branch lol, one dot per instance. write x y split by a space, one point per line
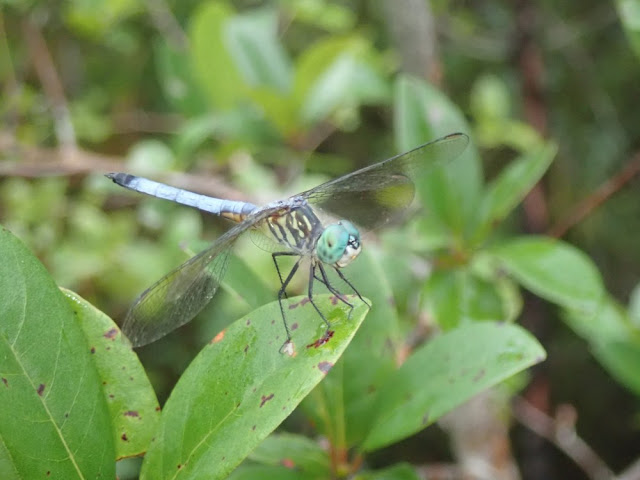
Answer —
597 198
37 162
562 434
51 84
167 24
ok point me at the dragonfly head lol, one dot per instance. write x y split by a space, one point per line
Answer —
339 244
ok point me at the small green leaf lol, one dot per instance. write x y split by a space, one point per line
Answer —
212 62
295 452
240 387
423 113
342 405
511 186
401 471
54 420
554 270
336 74
458 296
253 42
629 11
622 360
131 400
446 372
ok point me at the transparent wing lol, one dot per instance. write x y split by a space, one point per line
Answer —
375 195
180 295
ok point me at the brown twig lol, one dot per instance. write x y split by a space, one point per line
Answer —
597 198
51 84
37 162
562 434
167 24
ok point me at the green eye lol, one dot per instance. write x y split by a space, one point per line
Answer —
332 243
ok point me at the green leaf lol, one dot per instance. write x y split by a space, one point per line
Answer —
446 372
614 340
54 421
511 186
253 42
294 452
212 62
629 11
271 472
421 114
342 405
239 388
622 360
459 296
131 400
335 74
554 270
401 471
177 79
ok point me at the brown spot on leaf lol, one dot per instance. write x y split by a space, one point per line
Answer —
124 437
322 340
324 367
131 413
288 463
40 389
93 350
111 333
218 337
5 381
479 375
264 399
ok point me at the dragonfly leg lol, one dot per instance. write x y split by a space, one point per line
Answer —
275 256
325 280
282 293
341 275
312 276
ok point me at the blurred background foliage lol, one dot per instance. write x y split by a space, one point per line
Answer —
257 100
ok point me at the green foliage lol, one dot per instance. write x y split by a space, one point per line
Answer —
270 84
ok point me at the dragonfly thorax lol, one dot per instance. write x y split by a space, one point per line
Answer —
339 244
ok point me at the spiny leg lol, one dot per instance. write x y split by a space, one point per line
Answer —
325 280
341 275
274 256
312 276
282 292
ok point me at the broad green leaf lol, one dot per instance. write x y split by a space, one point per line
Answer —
614 340
213 64
554 270
324 14
622 360
342 405
446 372
629 11
336 73
54 420
240 387
270 472
401 471
131 400
458 296
511 186
96 19
608 323
295 452
421 114
253 43
177 79
346 83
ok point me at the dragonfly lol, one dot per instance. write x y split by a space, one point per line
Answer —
321 224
